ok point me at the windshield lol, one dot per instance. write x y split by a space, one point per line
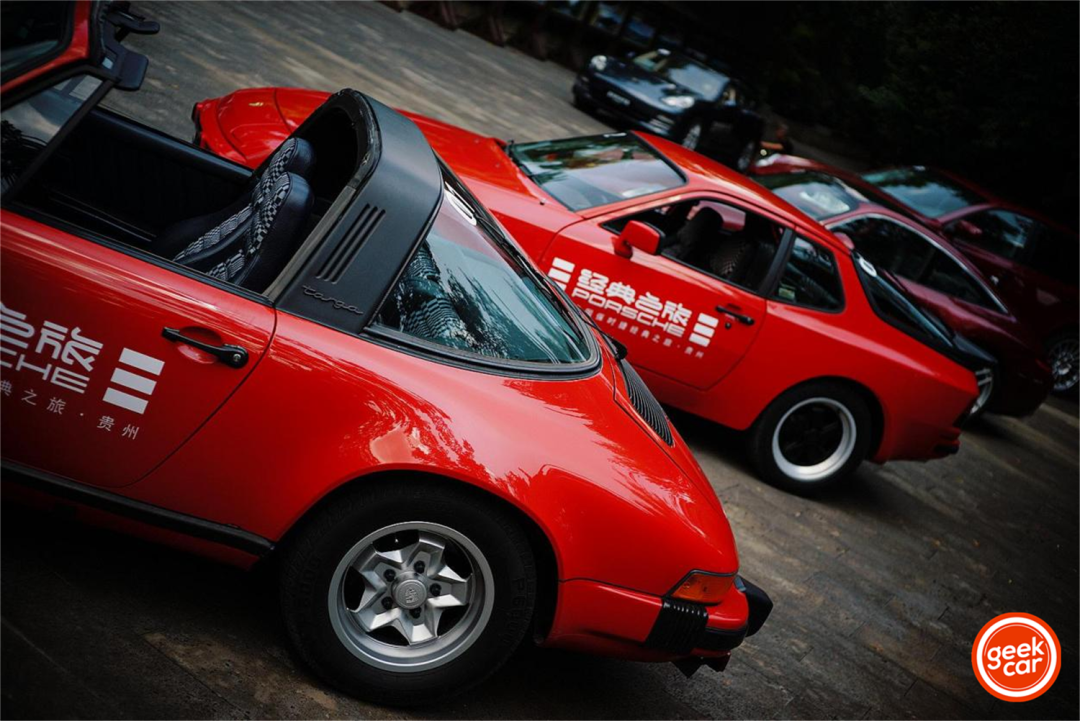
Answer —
818 195
927 192
683 71
588 172
892 304
467 288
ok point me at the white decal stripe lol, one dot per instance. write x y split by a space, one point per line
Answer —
563 264
559 275
704 330
699 339
127 379
141 361
561 285
125 400
708 320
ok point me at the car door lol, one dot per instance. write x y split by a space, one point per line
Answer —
665 312
103 371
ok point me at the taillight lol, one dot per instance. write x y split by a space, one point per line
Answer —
706 588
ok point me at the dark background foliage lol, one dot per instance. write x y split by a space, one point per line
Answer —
987 89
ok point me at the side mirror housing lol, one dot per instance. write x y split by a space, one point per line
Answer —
638 235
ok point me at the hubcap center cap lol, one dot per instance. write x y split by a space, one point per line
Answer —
410 593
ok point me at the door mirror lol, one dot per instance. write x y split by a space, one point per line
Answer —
967 230
638 235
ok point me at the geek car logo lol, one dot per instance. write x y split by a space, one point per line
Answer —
1016 657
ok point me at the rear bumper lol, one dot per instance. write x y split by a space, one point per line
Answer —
593 617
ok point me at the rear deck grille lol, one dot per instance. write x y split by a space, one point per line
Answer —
645 403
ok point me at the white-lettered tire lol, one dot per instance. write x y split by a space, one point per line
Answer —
406 593
811 437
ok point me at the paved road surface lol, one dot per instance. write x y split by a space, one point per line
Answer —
880 587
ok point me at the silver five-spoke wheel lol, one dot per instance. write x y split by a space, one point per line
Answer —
692 137
411 596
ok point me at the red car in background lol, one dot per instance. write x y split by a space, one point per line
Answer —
931 270
733 304
1032 261
341 364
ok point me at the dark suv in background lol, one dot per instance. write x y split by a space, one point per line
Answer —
695 103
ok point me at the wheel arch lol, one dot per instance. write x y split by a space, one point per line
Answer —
873 404
547 564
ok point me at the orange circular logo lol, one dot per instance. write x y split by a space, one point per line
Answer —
1016 657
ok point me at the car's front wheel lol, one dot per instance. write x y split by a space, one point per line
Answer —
692 137
1063 352
812 436
746 156
404 594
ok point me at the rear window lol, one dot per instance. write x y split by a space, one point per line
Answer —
818 195
894 306
468 289
588 172
927 192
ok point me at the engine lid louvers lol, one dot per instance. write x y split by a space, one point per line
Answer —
645 403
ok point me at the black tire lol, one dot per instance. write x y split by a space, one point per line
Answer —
1056 344
312 556
765 428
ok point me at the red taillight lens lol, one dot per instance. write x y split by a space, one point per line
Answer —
707 588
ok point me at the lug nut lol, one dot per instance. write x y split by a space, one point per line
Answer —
418 566
389 574
387 603
435 589
415 613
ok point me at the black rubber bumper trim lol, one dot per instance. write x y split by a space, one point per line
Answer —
682 626
147 513
679 627
759 602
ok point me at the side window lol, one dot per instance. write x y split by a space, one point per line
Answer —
31 32
909 255
1002 233
28 127
810 278
719 239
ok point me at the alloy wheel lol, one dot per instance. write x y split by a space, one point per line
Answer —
814 439
985 380
411 596
692 137
1065 363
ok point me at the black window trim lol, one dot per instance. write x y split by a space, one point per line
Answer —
1001 307
790 239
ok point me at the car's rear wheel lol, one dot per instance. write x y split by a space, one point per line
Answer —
1063 352
404 594
692 137
811 437
986 380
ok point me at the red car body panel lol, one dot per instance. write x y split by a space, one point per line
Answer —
1045 305
752 368
253 449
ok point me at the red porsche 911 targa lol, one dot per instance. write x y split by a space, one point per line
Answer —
734 305
341 362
